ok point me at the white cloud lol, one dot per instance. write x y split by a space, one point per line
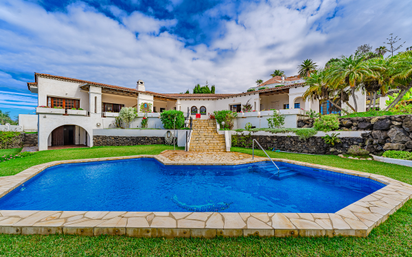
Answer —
139 22
85 44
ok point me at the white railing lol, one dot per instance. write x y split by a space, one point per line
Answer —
9 127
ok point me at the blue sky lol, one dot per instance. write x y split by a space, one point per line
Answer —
174 44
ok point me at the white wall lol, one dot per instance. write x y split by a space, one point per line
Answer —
144 98
274 101
361 101
49 122
28 122
61 89
209 104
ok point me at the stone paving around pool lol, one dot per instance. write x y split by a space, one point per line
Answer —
357 219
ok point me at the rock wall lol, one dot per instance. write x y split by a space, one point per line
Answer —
313 145
14 142
30 139
387 132
121 141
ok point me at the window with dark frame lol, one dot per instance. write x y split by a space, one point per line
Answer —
193 110
65 103
110 107
203 110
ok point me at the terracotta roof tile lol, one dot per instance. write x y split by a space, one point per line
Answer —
174 95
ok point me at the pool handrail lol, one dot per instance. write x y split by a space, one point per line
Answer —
253 153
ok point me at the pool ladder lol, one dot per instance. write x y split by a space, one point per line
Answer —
253 153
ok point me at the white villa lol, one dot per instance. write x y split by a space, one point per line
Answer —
100 103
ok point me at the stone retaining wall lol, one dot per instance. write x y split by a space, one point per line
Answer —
387 132
313 145
30 140
121 141
15 142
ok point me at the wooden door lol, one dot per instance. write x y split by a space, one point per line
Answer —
58 136
69 135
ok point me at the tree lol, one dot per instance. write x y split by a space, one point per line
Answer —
349 71
380 79
187 92
319 90
203 90
127 114
306 68
391 42
5 118
277 73
259 81
382 50
363 49
213 89
331 61
401 75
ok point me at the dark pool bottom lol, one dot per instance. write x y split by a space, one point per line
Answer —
145 184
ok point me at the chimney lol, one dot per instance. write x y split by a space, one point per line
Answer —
140 85
283 78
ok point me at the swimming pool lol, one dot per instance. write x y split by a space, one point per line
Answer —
145 184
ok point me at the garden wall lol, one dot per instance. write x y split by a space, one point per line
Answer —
313 145
10 140
127 140
386 132
30 139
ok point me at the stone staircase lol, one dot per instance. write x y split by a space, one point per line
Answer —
205 137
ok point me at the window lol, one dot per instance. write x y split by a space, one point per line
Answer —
162 109
203 110
109 107
62 102
286 106
193 110
297 105
236 107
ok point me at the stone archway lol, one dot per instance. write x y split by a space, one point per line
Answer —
68 135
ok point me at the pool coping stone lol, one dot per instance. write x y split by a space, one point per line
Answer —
357 219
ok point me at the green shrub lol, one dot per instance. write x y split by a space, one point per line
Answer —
11 156
327 123
168 117
277 120
357 151
302 133
332 139
226 116
312 114
305 133
398 155
248 126
251 90
127 114
261 88
7 137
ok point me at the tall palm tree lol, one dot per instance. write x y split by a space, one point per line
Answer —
277 73
382 50
306 68
319 90
350 71
401 75
259 81
380 79
5 118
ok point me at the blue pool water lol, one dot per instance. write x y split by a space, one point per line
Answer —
147 185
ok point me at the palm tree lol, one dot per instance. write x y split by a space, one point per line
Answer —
306 68
277 73
319 90
380 79
350 71
259 81
5 118
401 75
382 50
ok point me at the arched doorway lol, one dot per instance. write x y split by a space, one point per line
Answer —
68 136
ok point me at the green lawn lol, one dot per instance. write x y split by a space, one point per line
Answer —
13 151
392 238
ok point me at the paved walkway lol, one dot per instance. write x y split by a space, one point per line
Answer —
180 156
